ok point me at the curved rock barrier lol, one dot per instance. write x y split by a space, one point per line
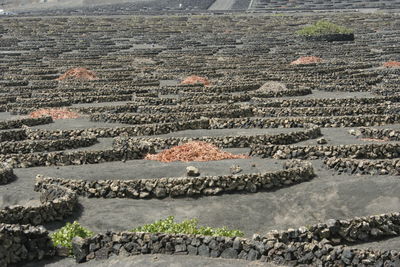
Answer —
62 158
57 203
30 146
382 134
377 109
292 122
355 230
23 243
364 167
103 246
367 151
12 135
11 124
6 175
294 173
325 102
138 118
230 141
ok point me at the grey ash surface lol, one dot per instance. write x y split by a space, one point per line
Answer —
154 260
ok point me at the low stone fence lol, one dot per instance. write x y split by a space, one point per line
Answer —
324 102
203 98
364 167
139 118
11 124
291 122
56 204
12 135
137 130
103 246
384 134
367 151
356 230
6 175
23 243
327 111
61 158
296 172
230 141
30 146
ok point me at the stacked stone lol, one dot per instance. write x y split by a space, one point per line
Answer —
231 141
57 203
139 118
6 175
30 146
10 124
23 242
383 134
291 122
358 229
326 102
184 186
102 246
61 158
362 167
367 151
137 130
354 110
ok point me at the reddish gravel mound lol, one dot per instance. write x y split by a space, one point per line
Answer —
55 113
392 64
78 73
306 60
196 79
193 151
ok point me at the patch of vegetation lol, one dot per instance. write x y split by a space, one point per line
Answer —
186 227
323 27
64 235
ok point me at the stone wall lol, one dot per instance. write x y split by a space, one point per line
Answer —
12 135
290 122
369 167
367 151
56 204
383 134
102 246
356 230
325 102
231 141
6 175
61 158
295 172
354 110
10 124
23 243
139 118
30 146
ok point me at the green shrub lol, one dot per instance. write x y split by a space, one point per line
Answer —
186 227
323 27
64 235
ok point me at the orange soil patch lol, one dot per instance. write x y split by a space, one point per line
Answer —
78 73
392 64
196 79
193 151
306 60
55 113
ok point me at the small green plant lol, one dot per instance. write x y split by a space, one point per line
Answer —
64 235
323 27
186 227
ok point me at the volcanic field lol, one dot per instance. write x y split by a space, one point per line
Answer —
294 142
